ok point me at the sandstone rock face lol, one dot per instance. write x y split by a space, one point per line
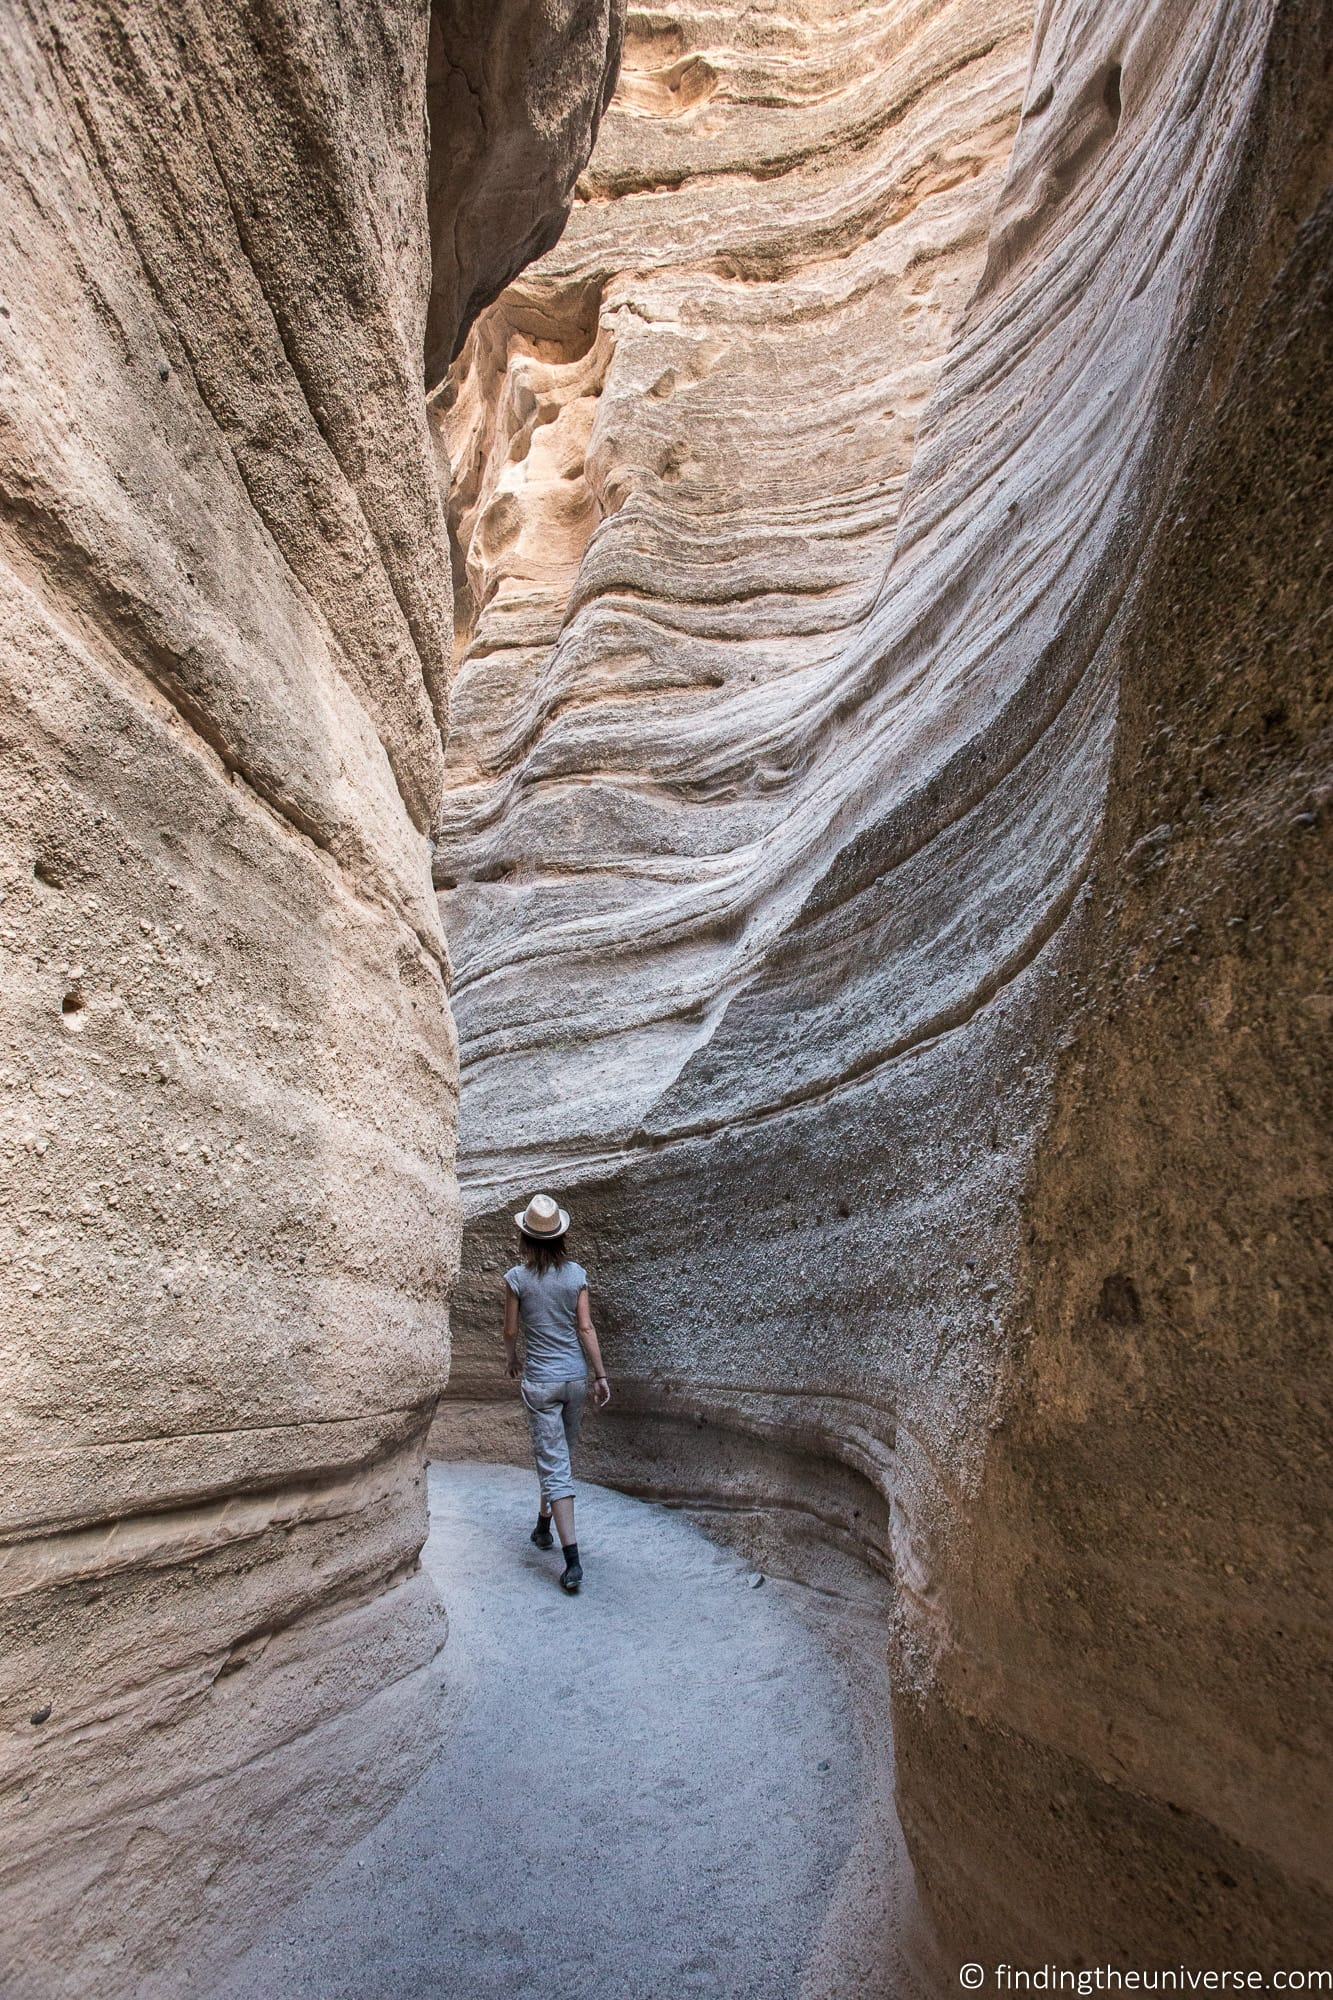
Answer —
681 447
230 1213
879 857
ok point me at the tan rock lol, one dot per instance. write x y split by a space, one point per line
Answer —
230 1213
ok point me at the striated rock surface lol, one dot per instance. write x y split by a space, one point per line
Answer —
230 1214
681 446
878 855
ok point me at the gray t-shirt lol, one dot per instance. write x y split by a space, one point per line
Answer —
548 1312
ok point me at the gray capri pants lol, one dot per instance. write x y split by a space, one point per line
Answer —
555 1411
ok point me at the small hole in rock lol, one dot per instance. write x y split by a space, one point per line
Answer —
72 1009
1119 1301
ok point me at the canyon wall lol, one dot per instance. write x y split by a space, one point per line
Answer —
881 854
230 1212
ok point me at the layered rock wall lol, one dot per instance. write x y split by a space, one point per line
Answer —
230 1212
928 1065
682 444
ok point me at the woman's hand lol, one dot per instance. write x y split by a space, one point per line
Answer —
512 1369
601 1392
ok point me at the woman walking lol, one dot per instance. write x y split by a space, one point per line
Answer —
546 1296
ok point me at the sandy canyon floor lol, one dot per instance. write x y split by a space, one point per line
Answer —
657 1787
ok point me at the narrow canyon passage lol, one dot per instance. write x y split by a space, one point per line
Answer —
718 610
650 1789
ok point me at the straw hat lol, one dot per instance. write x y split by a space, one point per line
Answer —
543 1217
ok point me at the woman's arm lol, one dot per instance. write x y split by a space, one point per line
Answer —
511 1334
601 1388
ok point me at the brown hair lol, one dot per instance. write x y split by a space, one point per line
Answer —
541 1254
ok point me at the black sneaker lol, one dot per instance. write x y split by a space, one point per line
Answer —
571 1576
542 1537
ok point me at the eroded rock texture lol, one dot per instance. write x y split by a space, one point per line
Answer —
929 1066
230 1216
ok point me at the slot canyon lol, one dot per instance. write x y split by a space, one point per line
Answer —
722 609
